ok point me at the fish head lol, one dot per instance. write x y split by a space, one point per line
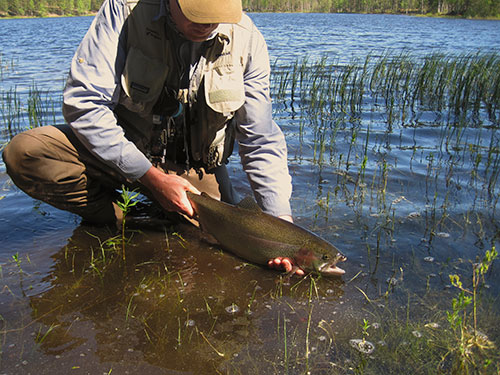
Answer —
320 258
327 265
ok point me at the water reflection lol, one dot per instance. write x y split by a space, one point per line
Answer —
176 299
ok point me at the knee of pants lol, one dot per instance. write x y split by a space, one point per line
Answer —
35 158
15 158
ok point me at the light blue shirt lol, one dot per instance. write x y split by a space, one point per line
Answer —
93 89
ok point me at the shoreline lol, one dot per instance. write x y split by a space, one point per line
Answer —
48 15
410 14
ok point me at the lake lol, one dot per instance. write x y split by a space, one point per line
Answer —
403 184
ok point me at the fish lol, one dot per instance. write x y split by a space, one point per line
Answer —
250 233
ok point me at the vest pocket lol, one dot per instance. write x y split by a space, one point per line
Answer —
143 78
225 91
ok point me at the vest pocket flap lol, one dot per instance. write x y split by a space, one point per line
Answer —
224 89
143 77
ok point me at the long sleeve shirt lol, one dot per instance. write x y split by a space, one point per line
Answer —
93 90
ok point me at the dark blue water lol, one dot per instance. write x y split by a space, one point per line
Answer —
344 36
41 49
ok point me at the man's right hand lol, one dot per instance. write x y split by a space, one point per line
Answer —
169 190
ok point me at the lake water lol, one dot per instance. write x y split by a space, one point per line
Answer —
422 207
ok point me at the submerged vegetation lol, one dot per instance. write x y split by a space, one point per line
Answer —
209 324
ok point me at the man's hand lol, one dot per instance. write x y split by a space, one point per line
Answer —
281 263
169 190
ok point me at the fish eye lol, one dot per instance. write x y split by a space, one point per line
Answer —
326 257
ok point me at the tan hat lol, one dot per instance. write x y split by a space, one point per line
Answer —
212 11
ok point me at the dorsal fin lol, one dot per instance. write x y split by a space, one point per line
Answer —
249 204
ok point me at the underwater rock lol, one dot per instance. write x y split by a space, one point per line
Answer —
443 234
413 215
232 309
363 346
392 281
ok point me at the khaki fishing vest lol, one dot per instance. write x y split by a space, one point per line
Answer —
215 91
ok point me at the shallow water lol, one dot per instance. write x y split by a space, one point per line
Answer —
419 212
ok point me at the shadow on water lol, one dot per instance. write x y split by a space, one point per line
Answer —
178 304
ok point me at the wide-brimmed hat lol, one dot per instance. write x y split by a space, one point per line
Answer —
212 11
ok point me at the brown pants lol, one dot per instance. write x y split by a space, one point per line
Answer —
50 164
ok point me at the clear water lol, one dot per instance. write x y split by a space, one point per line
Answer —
180 305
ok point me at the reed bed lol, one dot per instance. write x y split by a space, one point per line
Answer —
439 113
30 108
403 86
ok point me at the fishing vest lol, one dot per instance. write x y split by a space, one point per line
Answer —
150 79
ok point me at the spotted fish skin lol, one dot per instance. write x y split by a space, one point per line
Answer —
253 235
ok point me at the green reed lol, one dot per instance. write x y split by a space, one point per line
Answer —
355 111
21 110
457 85
11 108
6 66
41 107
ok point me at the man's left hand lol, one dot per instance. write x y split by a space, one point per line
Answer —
281 263
286 264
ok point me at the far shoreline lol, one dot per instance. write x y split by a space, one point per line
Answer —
410 14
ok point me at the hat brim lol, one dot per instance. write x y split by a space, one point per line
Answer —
212 11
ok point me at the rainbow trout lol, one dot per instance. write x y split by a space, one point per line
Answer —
251 234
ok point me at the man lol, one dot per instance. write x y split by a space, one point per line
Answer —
157 93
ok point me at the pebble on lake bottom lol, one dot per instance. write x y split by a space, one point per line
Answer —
362 346
443 234
232 309
416 334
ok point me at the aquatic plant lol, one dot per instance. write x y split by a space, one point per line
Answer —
11 110
472 345
127 202
16 260
41 107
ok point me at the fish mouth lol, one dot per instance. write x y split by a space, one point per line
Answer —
331 269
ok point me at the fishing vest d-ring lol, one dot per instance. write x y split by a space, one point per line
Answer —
213 95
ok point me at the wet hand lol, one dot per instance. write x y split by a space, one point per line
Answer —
169 190
286 264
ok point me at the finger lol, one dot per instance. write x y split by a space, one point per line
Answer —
185 206
193 189
287 264
299 272
274 263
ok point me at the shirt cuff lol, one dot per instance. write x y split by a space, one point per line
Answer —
276 205
135 165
